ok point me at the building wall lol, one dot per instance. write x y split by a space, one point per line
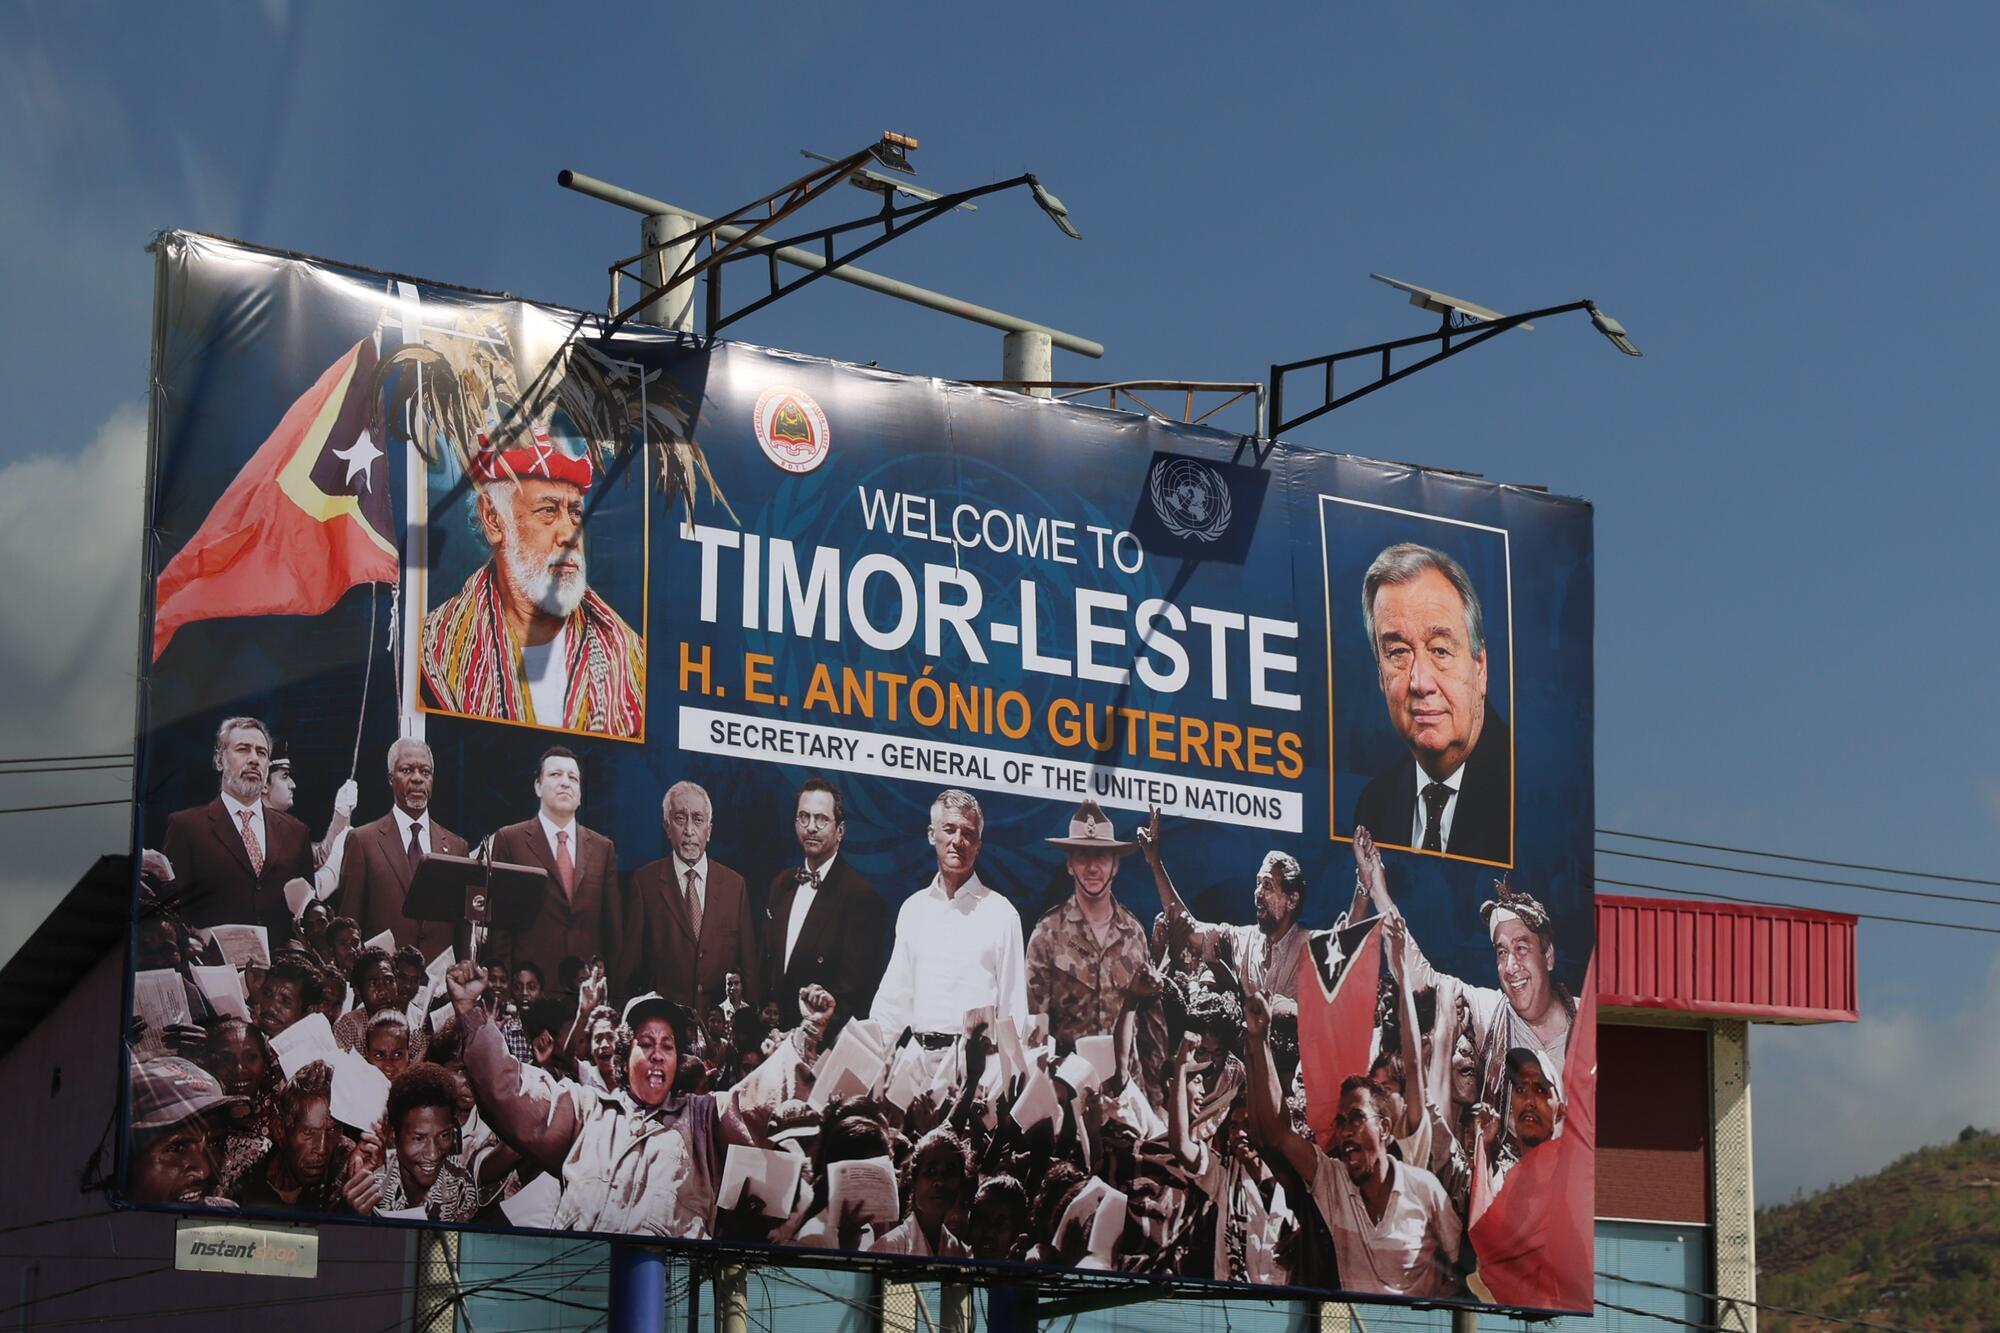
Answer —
66 1256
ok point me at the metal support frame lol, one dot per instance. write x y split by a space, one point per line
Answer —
859 277
893 220
1455 333
1068 390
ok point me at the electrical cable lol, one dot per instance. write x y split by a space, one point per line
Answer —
65 805
65 768
1766 902
65 758
1758 1305
1804 879
1804 860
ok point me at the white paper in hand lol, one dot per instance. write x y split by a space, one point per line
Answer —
773 1177
906 1077
309 1039
440 965
360 1091
160 997
1078 1072
243 946
223 987
870 1184
534 1204
385 941
1102 1052
297 894
1037 1102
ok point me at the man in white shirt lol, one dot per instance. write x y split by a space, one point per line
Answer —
1394 1229
958 943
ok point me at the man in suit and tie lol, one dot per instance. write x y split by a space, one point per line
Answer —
227 862
381 857
690 924
823 923
1454 791
581 908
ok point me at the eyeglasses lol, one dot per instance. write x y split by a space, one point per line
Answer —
808 819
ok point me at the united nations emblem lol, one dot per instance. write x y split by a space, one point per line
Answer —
1190 498
791 429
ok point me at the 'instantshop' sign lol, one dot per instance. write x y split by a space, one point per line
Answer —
209 1247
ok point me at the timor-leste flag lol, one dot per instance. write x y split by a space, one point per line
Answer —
1337 1026
1535 1235
305 520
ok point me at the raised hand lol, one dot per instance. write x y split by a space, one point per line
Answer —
156 866
1256 1016
593 989
1368 869
467 982
1149 837
816 1001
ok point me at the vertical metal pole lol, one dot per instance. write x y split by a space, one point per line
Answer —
1464 1321
639 1290
1027 356
732 1299
675 310
1011 1309
955 1300
437 1282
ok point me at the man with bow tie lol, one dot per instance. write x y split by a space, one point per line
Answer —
689 924
824 923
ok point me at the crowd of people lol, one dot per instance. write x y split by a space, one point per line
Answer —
657 1054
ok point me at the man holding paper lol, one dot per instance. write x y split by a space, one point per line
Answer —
1086 954
382 856
958 943
581 911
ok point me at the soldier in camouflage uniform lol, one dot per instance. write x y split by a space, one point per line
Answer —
1085 954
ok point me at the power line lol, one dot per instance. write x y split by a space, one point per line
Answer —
66 758
64 805
1758 1305
1803 879
1805 860
1767 902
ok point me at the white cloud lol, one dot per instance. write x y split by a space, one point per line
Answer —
1840 1101
70 528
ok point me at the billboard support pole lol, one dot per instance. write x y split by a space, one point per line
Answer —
675 308
732 1298
639 1291
1010 1308
1027 354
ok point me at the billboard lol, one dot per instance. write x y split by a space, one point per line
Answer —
652 786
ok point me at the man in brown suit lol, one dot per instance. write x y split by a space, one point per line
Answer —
690 924
380 857
228 861
581 910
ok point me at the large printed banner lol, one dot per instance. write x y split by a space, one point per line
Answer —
649 786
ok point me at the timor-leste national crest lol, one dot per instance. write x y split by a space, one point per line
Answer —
1190 498
791 429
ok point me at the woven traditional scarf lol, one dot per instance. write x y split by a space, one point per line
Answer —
473 665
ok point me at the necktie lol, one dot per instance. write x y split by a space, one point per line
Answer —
565 868
250 844
416 849
694 905
1435 794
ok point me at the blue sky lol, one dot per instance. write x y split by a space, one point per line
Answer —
1789 204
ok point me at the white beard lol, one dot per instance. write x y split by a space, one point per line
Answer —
555 592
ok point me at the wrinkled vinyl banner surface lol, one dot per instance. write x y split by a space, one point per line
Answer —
890 817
